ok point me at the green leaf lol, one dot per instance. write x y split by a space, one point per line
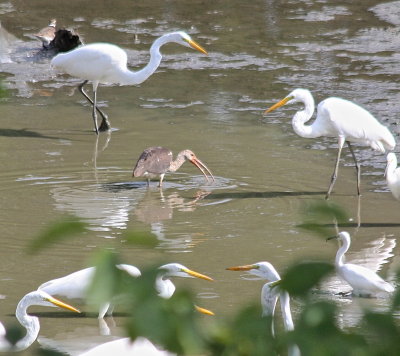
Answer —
57 232
139 238
301 277
321 217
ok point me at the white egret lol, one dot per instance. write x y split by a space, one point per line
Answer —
338 118
269 296
107 64
29 322
393 175
76 284
363 281
157 161
126 347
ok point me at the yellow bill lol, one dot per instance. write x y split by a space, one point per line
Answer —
243 268
196 274
61 304
278 105
203 310
196 46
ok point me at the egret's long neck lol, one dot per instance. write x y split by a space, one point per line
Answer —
30 323
177 163
155 59
302 116
286 312
340 253
164 287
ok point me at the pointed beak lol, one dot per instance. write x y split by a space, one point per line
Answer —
204 311
278 105
332 237
196 274
203 168
196 46
61 304
242 268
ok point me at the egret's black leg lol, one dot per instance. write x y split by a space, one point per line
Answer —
94 113
358 167
105 125
335 172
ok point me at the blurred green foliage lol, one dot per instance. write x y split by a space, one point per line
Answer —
3 90
176 325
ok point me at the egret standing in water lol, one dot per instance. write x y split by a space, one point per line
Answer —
393 175
363 281
107 64
29 322
338 118
157 161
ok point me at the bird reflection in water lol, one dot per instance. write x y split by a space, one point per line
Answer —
154 208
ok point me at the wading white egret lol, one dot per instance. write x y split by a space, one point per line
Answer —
393 175
338 118
75 285
29 322
363 281
107 64
157 161
269 296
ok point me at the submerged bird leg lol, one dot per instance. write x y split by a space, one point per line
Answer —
358 167
335 172
105 125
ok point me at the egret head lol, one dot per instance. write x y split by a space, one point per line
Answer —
184 39
178 270
191 157
297 95
341 236
264 270
40 297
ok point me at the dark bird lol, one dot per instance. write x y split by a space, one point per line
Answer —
65 40
46 34
156 161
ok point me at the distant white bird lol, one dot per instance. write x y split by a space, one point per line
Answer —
76 284
364 282
29 322
393 175
107 63
338 118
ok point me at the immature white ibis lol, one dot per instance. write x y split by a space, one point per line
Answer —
363 281
157 161
338 118
106 63
46 34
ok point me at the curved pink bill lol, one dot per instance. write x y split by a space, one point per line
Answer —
203 168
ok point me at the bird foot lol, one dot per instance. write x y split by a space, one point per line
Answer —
105 126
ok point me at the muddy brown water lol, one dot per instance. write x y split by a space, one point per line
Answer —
52 164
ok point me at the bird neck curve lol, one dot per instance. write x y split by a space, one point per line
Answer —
177 163
141 75
30 323
302 116
165 288
286 312
340 253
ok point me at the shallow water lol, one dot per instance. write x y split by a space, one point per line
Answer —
53 164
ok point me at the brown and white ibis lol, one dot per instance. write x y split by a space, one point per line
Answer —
46 34
156 161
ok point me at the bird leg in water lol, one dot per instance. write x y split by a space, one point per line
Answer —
334 175
358 168
105 125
